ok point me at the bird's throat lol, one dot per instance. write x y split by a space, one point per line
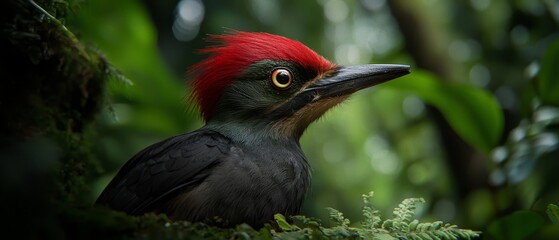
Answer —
296 124
289 127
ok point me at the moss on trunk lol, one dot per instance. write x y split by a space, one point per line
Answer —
51 90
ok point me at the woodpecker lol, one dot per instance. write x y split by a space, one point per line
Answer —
257 93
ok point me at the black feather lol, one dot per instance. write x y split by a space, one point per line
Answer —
203 174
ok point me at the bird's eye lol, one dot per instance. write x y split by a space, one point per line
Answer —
281 78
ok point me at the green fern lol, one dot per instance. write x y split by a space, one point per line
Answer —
372 216
402 226
338 217
403 215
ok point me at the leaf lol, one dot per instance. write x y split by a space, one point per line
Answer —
472 112
553 213
283 224
516 226
548 80
372 216
384 236
406 210
338 217
128 40
413 225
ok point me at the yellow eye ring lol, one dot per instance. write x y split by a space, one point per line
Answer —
281 78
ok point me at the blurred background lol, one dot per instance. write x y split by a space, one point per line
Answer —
473 130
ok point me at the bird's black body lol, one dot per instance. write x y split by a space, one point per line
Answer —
204 174
257 94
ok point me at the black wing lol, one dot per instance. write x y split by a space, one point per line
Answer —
163 170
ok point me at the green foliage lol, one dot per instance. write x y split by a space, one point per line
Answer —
553 213
526 225
472 112
516 226
530 151
338 217
532 147
54 85
155 103
283 224
548 80
145 110
371 215
401 226
405 211
101 222
61 81
54 88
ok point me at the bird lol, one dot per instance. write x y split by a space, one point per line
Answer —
257 93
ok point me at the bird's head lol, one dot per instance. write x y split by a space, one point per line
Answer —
264 80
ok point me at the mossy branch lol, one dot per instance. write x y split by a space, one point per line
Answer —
82 50
401 226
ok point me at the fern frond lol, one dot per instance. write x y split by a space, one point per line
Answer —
401 226
404 226
371 215
403 215
338 217
405 211
436 230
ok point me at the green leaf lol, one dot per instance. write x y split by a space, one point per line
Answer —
516 226
125 34
413 225
283 224
547 232
472 112
338 217
384 236
372 216
406 210
553 213
548 80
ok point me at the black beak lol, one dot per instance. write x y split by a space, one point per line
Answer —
349 79
342 82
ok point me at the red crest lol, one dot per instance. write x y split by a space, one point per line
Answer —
233 53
